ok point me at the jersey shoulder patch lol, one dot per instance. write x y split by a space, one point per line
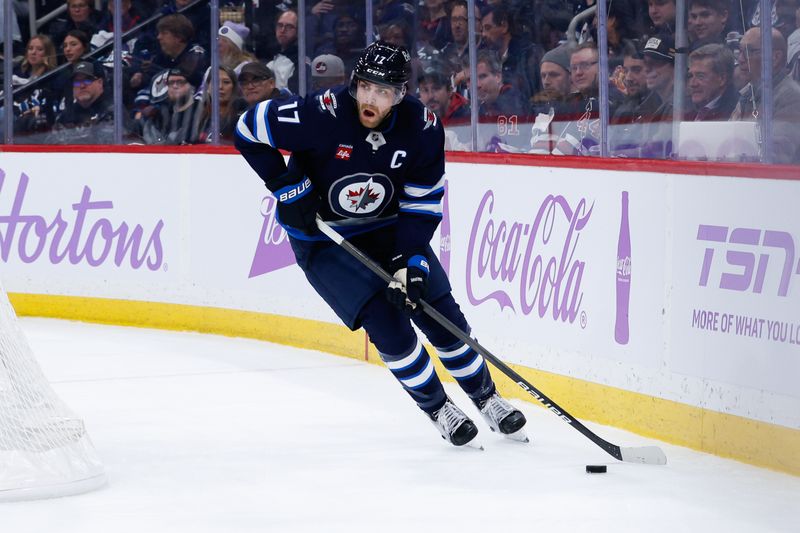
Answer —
429 119
328 103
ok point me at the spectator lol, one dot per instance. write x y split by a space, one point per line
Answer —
456 52
231 45
231 105
34 106
131 16
710 83
348 40
284 61
327 70
659 63
80 15
707 22
556 84
172 120
436 92
519 58
662 16
639 104
584 72
258 83
786 94
89 118
199 16
75 46
175 35
434 27
495 98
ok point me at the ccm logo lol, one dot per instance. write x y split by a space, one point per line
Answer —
296 192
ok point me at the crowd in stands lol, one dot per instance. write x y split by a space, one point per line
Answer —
538 68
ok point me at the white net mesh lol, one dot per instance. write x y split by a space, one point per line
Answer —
44 448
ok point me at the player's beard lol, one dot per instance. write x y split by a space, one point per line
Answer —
370 116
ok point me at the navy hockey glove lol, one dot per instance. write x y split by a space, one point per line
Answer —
410 282
298 202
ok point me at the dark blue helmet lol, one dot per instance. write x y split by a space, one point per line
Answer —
384 63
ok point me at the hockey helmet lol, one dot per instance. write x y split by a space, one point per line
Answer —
383 63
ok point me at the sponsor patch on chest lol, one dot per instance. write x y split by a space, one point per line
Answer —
344 151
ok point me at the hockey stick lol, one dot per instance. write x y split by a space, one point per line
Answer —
642 454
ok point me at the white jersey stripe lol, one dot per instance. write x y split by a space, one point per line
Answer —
458 352
406 361
418 191
243 130
469 370
433 208
262 128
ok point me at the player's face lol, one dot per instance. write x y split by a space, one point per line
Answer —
375 101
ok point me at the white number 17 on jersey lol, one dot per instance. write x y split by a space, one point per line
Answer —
294 119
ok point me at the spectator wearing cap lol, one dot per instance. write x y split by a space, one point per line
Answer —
436 92
90 117
231 40
785 94
627 122
171 121
707 22
75 45
556 84
659 64
257 83
327 70
710 83
518 57
80 15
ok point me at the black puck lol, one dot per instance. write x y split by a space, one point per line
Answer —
596 469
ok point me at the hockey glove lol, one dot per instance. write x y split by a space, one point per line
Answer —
410 282
298 202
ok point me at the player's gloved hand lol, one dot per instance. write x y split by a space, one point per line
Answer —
298 202
410 282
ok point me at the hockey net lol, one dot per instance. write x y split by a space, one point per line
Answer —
44 448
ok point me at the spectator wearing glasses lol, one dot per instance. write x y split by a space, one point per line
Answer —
89 119
257 83
74 47
284 60
456 52
786 94
710 83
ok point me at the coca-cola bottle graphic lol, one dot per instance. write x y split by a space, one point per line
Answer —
444 233
622 325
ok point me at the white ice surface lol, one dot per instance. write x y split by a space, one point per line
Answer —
203 433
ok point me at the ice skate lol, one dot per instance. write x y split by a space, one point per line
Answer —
455 427
503 418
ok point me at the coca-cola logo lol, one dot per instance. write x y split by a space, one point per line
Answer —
82 237
527 268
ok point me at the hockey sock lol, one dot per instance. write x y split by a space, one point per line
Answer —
414 370
469 369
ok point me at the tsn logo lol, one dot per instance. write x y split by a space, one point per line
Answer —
747 272
289 195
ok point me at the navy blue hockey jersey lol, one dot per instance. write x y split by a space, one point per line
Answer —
367 179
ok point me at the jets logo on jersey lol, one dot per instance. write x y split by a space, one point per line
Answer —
344 151
361 195
429 118
327 102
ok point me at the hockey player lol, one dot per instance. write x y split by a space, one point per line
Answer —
369 159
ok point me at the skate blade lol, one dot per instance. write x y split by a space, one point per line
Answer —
518 436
